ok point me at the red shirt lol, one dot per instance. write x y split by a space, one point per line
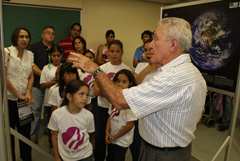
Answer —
66 45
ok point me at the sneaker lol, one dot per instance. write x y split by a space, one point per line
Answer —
222 127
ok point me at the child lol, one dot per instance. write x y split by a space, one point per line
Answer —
66 75
55 85
71 125
120 125
49 79
88 78
115 51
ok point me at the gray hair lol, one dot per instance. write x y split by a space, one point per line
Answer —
179 29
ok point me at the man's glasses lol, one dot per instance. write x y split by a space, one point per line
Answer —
48 33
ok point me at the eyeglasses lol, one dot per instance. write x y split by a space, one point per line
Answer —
48 33
23 36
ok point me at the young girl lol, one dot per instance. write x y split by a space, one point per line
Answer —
87 77
115 51
120 125
71 125
66 75
47 80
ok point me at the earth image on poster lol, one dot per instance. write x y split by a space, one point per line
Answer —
213 40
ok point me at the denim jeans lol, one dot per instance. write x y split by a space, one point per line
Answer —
38 96
227 110
47 115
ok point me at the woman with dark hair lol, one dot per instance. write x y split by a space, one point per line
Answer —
79 45
102 53
19 78
66 75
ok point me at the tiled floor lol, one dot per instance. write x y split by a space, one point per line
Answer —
204 147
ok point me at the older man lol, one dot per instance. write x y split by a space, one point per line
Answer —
170 104
41 51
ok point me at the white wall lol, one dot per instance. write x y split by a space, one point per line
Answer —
128 18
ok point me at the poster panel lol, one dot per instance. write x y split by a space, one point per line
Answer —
215 49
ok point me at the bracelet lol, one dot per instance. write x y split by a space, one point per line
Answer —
30 89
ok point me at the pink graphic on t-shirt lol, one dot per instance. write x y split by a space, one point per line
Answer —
114 112
72 138
110 75
106 53
88 80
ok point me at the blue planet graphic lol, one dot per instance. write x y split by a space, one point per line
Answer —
213 42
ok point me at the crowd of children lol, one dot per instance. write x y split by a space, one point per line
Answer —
79 109
80 120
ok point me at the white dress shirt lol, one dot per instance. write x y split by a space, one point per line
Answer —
170 104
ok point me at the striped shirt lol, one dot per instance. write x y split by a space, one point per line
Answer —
170 104
66 45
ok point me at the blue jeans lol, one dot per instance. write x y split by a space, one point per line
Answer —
38 96
227 110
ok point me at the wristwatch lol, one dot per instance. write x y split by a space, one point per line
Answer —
96 72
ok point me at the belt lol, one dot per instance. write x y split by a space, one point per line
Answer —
163 149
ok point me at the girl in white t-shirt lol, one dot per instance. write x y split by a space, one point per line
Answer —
47 80
115 51
120 124
66 75
88 78
71 125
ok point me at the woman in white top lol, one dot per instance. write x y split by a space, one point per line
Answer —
102 52
19 78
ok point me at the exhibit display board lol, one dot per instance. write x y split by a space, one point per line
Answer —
215 46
